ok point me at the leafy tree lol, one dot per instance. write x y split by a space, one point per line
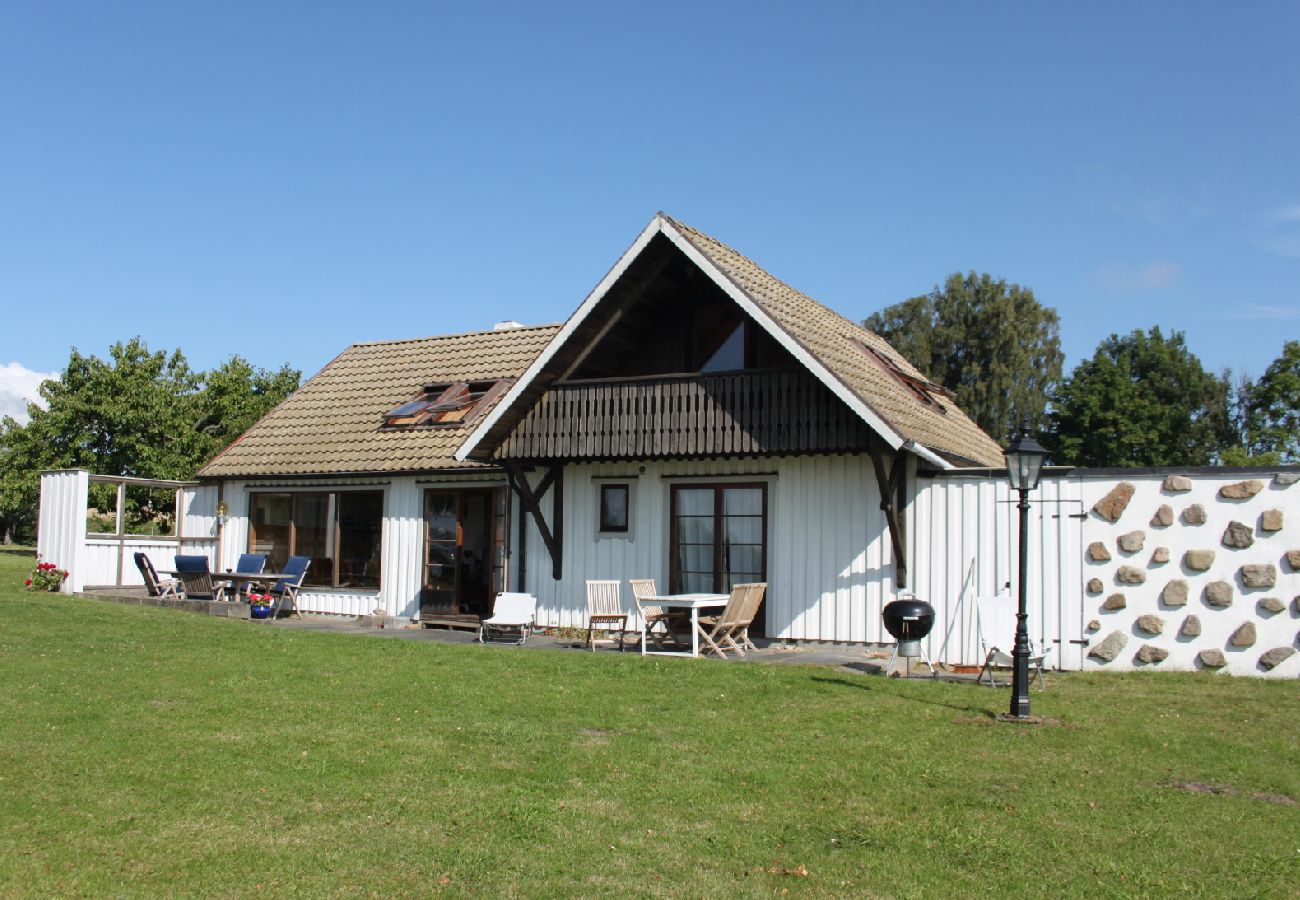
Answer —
1268 413
992 343
1142 400
138 413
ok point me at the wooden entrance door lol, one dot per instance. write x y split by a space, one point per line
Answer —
464 553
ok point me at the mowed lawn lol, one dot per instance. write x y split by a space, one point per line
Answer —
145 752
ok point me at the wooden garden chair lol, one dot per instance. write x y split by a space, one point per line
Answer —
752 602
719 632
157 587
196 578
605 611
652 615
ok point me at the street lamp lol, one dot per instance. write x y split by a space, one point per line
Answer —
1024 464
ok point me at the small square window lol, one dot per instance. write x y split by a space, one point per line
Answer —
614 507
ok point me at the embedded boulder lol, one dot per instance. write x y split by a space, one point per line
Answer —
1293 559
1270 520
1095 586
1094 625
1212 659
1164 516
1175 593
1114 602
1271 605
1272 658
1198 560
1241 490
1194 515
1110 648
1283 479
1151 624
1177 483
1112 506
1160 556
1097 552
1218 593
1244 636
1238 536
1130 575
1152 655
1262 575
1132 542
1191 627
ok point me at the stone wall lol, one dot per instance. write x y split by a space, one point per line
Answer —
1193 571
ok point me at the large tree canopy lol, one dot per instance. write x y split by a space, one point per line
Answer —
1142 400
139 413
990 342
1268 413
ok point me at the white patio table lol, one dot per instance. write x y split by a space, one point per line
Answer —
693 602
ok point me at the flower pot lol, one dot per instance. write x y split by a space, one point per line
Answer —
260 612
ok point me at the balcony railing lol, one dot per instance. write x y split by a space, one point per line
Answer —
751 413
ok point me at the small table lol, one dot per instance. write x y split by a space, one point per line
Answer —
238 578
693 602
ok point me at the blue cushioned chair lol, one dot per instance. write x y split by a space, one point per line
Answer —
196 579
286 589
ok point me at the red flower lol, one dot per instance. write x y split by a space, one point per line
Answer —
27 583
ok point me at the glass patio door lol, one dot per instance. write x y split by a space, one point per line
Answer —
465 534
719 537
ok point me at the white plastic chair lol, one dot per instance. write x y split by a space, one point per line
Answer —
995 619
512 615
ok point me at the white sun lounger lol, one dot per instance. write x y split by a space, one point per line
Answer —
512 617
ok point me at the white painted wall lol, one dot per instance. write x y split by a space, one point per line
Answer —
61 524
1272 629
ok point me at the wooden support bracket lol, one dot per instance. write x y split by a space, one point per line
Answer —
531 500
891 487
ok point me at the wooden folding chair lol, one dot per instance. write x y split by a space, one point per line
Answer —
752 602
605 609
651 614
718 632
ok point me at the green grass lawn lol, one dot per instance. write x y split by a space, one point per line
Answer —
145 751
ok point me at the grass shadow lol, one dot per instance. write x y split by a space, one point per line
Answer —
875 689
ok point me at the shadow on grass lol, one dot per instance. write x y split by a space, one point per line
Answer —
885 689
17 551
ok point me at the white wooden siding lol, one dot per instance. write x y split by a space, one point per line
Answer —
61 524
829 565
965 545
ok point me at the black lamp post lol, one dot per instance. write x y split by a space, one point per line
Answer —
1024 464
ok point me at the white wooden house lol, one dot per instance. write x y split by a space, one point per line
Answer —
695 420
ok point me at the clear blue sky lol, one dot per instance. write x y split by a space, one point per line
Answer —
281 179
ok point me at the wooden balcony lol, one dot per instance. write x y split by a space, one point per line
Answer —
742 413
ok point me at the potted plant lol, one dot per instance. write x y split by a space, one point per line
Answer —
46 577
261 605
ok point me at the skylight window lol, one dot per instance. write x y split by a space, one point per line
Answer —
922 389
445 404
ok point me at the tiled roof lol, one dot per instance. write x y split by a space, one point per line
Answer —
331 425
831 338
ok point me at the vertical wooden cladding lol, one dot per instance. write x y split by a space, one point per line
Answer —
742 413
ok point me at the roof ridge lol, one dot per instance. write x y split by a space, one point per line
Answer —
457 334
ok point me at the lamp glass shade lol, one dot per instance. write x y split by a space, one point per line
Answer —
222 509
1024 462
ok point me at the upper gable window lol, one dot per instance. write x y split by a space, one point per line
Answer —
444 404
